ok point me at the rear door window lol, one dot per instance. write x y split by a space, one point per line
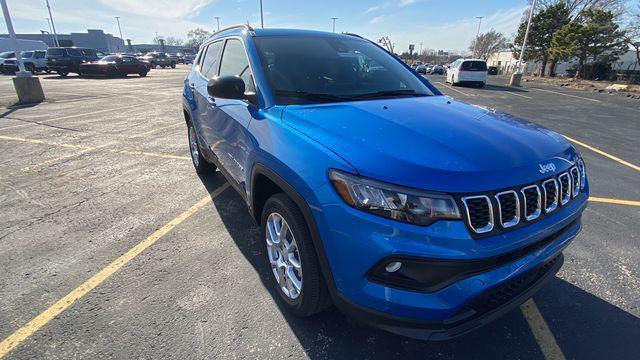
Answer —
235 62
89 53
474 66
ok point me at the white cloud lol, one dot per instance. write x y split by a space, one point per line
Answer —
372 9
404 3
376 19
165 9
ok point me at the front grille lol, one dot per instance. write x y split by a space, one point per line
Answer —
508 208
550 189
575 181
502 294
565 188
532 202
479 213
522 204
9 62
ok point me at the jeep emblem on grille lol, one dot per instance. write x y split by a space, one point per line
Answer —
545 168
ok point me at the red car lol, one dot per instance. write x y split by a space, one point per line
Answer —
115 65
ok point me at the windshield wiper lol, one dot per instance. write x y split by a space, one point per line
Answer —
388 93
310 96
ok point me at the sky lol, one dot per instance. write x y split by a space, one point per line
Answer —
437 24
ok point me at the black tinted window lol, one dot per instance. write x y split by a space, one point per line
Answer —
209 63
128 59
234 62
74 52
27 54
89 52
304 69
474 66
56 52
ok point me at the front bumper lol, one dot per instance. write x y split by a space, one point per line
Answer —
354 242
485 308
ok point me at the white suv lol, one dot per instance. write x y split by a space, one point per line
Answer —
470 71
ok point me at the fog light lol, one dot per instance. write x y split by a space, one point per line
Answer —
393 266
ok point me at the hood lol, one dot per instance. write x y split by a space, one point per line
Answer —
433 142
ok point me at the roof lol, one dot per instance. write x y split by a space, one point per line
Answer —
238 29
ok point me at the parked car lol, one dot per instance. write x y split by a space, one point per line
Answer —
421 69
408 210
33 61
429 67
67 60
493 70
467 71
188 58
161 59
116 65
437 69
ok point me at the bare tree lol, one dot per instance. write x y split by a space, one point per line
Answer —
487 44
632 36
170 40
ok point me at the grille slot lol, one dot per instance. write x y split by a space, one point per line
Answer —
479 213
583 173
508 208
565 188
575 181
550 189
532 202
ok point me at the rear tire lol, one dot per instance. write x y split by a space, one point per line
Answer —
31 68
299 258
173 65
153 65
201 164
163 66
481 85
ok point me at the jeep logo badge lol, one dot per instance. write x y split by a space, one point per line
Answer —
545 168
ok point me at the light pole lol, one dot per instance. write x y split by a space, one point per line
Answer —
218 22
517 76
53 25
261 16
119 28
53 39
334 23
475 44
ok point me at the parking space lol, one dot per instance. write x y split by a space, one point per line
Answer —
112 246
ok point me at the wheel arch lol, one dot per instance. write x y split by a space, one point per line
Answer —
266 182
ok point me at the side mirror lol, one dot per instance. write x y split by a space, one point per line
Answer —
226 87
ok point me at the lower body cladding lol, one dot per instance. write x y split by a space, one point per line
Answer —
436 282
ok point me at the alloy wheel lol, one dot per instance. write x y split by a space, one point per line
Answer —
284 256
193 145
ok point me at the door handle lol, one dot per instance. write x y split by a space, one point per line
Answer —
211 100
192 86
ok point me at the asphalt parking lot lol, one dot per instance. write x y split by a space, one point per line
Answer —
112 247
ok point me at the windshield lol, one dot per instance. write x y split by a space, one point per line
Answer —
308 69
7 54
27 54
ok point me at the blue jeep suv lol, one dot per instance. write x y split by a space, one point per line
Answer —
407 209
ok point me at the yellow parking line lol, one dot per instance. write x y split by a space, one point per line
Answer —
44 142
80 115
541 332
52 161
569 95
61 305
90 148
516 94
596 150
614 201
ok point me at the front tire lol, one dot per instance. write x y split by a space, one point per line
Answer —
173 65
201 164
294 263
142 72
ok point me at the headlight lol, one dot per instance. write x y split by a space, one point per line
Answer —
393 202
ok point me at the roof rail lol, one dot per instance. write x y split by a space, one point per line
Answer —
243 26
352 34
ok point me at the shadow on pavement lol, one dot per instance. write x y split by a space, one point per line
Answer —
584 325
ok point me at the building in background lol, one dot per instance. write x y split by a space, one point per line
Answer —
93 38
